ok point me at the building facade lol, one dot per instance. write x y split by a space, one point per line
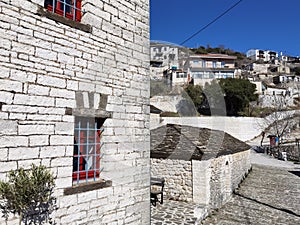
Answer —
206 67
74 96
165 55
263 55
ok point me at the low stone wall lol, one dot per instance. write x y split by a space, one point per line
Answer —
209 182
154 120
178 176
214 180
166 103
242 128
292 152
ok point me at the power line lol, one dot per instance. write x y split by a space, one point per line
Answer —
213 21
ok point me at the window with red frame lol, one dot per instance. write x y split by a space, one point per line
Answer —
70 9
87 146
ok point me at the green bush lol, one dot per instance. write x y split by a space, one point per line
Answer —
28 193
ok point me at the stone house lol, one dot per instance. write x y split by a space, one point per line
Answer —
74 96
199 165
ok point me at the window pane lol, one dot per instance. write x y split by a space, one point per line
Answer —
66 5
86 158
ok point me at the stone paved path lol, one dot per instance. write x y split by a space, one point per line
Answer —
173 212
268 195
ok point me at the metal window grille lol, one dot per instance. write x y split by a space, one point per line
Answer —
70 9
87 146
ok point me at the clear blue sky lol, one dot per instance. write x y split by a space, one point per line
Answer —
262 24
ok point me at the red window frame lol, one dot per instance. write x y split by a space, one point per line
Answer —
87 146
59 4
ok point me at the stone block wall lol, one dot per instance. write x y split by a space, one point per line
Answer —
52 70
242 128
214 180
209 182
178 178
166 103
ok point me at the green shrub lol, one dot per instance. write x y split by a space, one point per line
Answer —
28 193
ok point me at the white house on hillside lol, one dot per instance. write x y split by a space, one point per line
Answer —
262 55
206 67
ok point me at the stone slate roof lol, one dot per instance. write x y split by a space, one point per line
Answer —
186 143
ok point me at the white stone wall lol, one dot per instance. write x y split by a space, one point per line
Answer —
201 188
209 183
43 64
154 120
166 103
178 178
242 128
214 180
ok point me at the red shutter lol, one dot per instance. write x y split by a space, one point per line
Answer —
78 11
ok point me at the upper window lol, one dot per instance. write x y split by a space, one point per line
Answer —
86 157
214 64
70 9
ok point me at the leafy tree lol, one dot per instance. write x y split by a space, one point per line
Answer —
238 94
28 193
195 92
200 50
297 70
213 102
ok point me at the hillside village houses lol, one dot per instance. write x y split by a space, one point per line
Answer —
271 73
74 96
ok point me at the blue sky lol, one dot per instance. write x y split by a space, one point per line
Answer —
262 24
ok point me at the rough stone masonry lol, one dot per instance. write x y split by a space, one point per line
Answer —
53 69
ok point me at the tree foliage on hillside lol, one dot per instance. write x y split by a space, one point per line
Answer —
239 62
238 94
232 94
218 50
195 92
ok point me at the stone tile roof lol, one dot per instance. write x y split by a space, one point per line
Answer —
186 143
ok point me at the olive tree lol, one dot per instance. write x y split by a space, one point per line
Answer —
28 193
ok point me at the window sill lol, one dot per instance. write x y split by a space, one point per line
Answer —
88 187
58 18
